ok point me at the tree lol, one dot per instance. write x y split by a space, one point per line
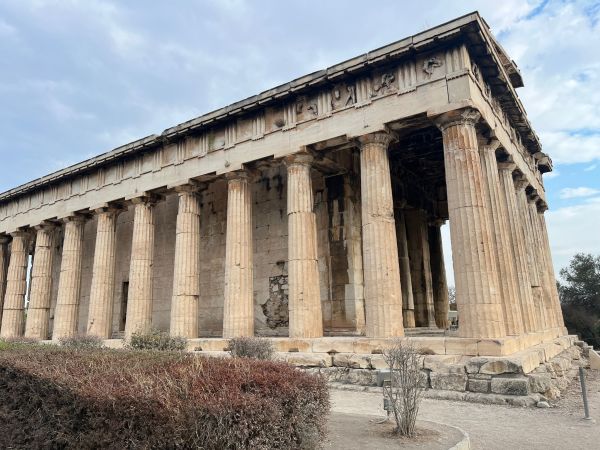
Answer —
580 297
452 297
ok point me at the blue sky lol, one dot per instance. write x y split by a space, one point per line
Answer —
79 77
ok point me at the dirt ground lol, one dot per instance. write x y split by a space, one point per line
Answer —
492 427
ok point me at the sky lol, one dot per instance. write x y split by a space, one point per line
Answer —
80 77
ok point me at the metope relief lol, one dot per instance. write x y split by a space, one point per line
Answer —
383 84
343 95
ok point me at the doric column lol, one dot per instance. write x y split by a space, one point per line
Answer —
100 314
383 294
13 317
477 297
139 303
185 302
517 244
500 243
40 291
238 311
438 275
408 301
305 315
4 257
541 263
536 289
420 267
69 281
558 316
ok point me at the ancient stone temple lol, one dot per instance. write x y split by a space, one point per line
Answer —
309 212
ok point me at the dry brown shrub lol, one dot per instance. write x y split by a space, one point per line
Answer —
58 397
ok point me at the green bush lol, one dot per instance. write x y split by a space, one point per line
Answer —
156 340
82 341
251 347
19 340
60 397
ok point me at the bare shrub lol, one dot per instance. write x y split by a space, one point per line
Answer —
425 351
82 341
59 397
251 347
404 391
156 340
20 340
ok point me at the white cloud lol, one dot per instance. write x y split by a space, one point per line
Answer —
590 168
577 192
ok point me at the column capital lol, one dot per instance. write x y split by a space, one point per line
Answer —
187 186
144 197
236 175
74 217
378 137
521 183
302 158
464 116
21 233
542 206
46 225
488 145
507 165
103 208
437 222
4 239
533 197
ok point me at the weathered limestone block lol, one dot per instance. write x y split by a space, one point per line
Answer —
378 362
448 381
500 242
69 282
238 309
100 313
540 382
305 315
309 359
139 305
383 294
499 366
436 362
475 385
510 386
13 318
352 361
40 293
333 345
477 295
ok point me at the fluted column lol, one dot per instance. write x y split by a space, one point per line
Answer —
4 257
40 292
305 315
558 316
500 243
477 297
541 262
100 314
408 301
13 317
139 303
517 244
438 275
534 278
185 302
69 281
383 293
420 267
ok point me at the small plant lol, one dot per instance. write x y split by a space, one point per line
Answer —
404 392
251 347
156 340
19 340
82 341
426 351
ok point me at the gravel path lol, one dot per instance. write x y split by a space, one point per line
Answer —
492 427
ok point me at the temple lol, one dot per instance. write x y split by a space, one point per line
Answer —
309 212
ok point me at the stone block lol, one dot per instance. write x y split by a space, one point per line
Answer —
461 346
594 359
540 382
333 345
368 346
499 366
510 386
287 344
474 364
377 362
309 359
491 347
475 385
429 343
435 362
448 382
351 360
